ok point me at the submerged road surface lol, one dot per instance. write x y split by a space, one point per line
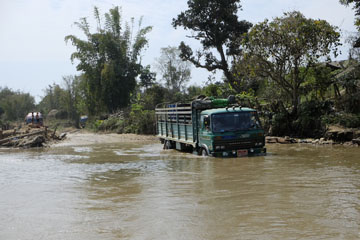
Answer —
136 190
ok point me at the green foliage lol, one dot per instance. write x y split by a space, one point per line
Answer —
213 90
67 100
109 125
52 99
136 120
140 121
109 60
15 105
344 119
216 25
349 80
317 81
285 49
281 125
218 89
193 92
153 96
147 78
309 123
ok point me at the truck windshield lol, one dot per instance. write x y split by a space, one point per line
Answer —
235 121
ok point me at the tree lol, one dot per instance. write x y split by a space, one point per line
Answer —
193 92
147 78
72 97
215 24
175 72
53 98
109 60
285 49
15 105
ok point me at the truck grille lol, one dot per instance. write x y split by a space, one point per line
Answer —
236 144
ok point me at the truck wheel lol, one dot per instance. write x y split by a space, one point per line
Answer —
203 152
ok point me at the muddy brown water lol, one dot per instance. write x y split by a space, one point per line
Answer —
139 191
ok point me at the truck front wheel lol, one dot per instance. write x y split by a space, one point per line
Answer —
203 152
167 144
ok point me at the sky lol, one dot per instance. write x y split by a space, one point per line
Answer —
34 55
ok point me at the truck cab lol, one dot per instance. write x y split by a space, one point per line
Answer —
232 132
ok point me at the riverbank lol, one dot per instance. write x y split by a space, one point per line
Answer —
335 135
321 141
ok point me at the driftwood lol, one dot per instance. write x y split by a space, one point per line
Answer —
7 133
28 137
6 140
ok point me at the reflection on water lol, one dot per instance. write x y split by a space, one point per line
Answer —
139 191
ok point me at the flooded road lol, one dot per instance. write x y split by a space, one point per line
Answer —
138 191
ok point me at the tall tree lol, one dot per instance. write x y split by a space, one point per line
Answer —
174 71
285 49
109 60
216 25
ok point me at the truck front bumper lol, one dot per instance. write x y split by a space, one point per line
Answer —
241 153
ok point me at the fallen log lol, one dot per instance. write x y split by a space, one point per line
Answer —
5 140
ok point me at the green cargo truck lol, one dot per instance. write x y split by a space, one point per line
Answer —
209 126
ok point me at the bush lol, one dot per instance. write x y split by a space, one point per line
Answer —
347 120
140 121
308 123
109 125
281 124
135 120
61 114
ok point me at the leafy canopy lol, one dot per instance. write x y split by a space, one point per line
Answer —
216 25
109 60
285 49
14 105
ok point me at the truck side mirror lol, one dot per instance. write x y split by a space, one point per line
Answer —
207 121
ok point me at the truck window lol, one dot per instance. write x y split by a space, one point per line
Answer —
235 121
205 122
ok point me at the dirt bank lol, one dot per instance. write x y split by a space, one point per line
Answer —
79 138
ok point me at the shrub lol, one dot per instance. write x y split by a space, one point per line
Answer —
308 123
140 121
347 120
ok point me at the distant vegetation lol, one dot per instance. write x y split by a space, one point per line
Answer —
283 67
